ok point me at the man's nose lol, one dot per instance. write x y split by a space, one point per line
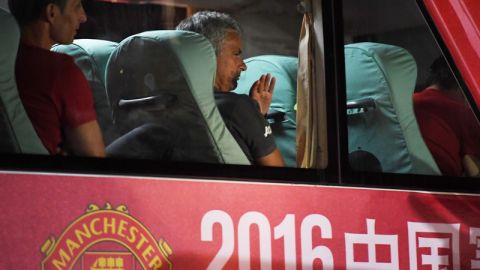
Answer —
243 67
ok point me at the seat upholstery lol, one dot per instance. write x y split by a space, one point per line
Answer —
91 55
160 87
16 130
282 114
386 75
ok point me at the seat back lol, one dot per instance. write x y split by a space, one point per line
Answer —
160 87
91 55
282 115
380 82
17 132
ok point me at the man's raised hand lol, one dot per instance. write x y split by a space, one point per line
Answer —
262 92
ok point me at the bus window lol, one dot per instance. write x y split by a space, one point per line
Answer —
407 112
270 38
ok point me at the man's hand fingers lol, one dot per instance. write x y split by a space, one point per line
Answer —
254 88
272 85
262 83
266 81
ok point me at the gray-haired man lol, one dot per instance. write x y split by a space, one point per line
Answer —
243 116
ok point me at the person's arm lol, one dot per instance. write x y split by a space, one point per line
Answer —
273 159
82 134
85 140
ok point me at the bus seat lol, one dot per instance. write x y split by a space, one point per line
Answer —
16 130
282 114
91 55
160 86
380 80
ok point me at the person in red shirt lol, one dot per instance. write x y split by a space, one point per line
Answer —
53 90
448 125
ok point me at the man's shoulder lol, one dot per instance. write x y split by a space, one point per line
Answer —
434 98
54 71
63 61
239 108
53 61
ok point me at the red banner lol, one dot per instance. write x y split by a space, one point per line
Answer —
84 222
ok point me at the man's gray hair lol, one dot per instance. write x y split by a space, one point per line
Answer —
211 24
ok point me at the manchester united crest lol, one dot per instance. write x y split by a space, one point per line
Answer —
106 238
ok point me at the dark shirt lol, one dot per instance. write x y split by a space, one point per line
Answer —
243 119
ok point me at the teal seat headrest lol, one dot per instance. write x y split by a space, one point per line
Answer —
90 54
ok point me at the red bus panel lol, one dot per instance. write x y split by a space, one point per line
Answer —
458 22
85 222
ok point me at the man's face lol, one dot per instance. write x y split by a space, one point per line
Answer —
66 24
229 62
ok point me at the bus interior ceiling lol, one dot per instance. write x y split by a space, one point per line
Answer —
394 22
270 26
273 26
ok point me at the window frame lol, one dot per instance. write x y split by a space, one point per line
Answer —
132 167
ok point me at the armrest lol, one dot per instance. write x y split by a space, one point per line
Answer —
160 101
360 106
275 116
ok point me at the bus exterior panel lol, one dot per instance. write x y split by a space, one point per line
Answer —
102 222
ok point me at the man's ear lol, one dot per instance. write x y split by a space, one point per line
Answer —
51 12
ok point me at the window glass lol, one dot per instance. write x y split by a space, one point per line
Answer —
148 91
406 113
